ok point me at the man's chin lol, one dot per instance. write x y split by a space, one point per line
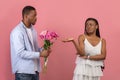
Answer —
33 23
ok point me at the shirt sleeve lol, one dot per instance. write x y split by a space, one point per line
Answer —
18 42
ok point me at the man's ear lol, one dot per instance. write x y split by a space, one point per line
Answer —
25 16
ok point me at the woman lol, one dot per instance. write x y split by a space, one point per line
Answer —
91 51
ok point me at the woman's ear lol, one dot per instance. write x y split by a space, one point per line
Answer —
96 26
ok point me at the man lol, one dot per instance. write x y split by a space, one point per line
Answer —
25 53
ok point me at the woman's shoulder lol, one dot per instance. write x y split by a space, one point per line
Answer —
103 40
81 37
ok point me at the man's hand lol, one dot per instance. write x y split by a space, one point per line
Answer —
45 53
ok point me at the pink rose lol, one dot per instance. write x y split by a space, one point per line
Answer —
46 35
53 35
43 34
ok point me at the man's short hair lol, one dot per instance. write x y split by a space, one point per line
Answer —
26 10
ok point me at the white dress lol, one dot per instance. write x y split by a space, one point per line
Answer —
89 69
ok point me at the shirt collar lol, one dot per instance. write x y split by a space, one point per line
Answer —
25 26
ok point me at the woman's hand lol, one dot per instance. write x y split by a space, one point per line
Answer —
68 40
84 57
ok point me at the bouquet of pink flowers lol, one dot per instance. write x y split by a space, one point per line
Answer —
48 38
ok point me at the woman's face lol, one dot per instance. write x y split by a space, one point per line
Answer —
91 26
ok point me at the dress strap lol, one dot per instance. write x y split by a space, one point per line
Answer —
84 36
100 39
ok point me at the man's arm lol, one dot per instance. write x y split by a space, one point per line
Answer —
18 43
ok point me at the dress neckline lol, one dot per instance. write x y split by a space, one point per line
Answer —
91 43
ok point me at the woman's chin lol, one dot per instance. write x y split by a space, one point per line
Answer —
90 32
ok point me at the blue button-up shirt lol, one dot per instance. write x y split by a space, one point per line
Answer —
22 53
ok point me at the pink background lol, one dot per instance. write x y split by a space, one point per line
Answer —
67 18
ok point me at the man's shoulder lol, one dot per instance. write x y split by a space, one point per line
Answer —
17 29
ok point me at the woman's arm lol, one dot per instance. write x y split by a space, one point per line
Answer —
101 56
81 51
79 46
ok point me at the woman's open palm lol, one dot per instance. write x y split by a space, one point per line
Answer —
68 40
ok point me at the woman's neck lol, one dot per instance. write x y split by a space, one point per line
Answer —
92 35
